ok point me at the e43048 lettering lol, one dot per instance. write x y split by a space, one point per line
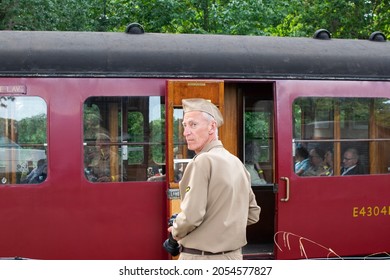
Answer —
370 211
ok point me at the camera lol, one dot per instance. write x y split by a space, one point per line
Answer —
170 245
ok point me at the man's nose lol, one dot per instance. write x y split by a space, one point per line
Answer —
186 131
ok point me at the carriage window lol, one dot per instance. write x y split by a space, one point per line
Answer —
23 138
258 139
341 136
124 138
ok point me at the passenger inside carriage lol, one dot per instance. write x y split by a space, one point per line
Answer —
302 162
252 155
328 163
351 163
38 174
102 162
316 156
156 176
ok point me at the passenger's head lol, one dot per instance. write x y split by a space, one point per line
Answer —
301 153
252 152
102 141
41 162
201 121
329 157
350 158
316 156
102 138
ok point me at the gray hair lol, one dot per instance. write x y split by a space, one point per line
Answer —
210 118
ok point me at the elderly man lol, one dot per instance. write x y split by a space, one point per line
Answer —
217 202
351 164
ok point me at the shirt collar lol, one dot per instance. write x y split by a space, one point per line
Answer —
347 170
213 144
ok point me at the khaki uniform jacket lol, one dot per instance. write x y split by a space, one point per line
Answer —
217 202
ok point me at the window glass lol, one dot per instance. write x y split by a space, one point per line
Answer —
258 140
341 136
23 140
181 154
124 138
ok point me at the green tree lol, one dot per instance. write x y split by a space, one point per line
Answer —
50 14
32 130
344 19
190 16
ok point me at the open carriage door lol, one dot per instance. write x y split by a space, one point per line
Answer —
177 154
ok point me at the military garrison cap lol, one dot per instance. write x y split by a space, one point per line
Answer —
203 105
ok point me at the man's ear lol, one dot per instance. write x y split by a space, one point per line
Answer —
212 127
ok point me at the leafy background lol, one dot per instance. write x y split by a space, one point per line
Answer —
344 19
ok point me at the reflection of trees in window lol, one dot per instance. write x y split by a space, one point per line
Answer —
32 130
180 149
135 132
382 112
297 120
310 114
355 112
303 114
257 128
157 128
256 124
91 121
178 138
29 129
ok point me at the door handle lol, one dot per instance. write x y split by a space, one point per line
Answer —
287 197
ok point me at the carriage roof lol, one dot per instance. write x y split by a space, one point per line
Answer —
49 53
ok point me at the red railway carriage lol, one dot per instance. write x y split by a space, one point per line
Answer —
91 147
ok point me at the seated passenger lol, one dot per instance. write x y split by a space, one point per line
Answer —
328 163
351 164
252 154
38 174
301 160
158 176
316 168
101 160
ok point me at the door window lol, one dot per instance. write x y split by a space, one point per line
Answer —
258 155
179 155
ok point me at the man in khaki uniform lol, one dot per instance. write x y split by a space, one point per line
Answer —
217 202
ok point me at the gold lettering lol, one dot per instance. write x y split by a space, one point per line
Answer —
370 211
196 84
355 212
376 211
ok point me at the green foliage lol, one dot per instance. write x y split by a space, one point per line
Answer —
49 15
157 128
382 112
344 19
257 129
32 130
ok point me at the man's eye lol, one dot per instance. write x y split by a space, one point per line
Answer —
193 125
